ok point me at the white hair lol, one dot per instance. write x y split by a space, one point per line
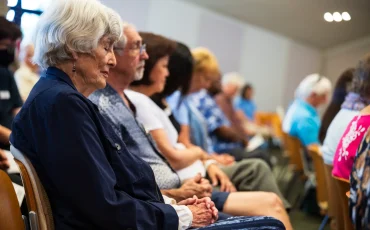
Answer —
233 78
313 83
25 45
122 42
73 26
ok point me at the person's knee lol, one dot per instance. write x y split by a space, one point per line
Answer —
274 203
261 165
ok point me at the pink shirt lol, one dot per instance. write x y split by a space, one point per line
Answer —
348 144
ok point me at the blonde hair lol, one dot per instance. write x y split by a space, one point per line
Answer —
205 61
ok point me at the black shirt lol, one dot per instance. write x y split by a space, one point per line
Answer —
9 97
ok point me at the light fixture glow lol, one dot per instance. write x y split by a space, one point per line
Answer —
337 17
10 15
346 16
328 17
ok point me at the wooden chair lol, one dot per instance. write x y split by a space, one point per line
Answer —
321 188
10 214
294 151
40 215
335 211
342 188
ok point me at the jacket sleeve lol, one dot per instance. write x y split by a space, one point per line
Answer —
74 159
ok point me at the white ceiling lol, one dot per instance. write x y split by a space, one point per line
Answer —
299 19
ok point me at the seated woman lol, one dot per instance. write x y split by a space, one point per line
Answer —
338 119
91 179
341 89
356 127
157 123
350 140
360 182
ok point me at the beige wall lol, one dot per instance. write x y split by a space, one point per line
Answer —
3 7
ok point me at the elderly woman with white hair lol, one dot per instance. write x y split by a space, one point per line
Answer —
28 73
91 179
302 119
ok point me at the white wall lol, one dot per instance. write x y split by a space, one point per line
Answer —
339 58
272 63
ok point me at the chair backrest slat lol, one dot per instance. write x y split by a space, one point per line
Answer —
10 213
36 196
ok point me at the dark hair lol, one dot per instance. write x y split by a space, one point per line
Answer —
244 89
180 67
339 94
361 78
9 30
157 47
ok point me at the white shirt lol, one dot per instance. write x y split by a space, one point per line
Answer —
25 79
335 132
153 117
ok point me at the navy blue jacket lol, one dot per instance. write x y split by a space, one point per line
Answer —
92 180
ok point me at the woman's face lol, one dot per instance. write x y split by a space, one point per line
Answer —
159 74
203 80
94 68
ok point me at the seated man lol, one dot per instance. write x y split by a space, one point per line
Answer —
121 113
302 119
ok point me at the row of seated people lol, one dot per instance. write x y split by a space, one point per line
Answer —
101 137
343 136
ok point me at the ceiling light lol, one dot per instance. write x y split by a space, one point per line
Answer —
337 17
346 16
328 17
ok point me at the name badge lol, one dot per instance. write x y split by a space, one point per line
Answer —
4 95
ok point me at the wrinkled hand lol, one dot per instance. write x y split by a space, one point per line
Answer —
196 186
217 176
4 163
202 215
206 200
224 158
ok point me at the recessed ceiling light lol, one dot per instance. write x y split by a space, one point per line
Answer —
328 17
337 17
346 16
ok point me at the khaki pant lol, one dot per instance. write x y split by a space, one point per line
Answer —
253 175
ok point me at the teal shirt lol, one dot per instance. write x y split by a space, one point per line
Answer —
302 121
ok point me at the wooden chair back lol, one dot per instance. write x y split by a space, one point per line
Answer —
10 214
321 183
294 151
40 216
342 188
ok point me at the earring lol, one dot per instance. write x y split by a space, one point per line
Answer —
74 67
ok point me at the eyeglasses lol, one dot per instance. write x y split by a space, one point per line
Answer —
140 47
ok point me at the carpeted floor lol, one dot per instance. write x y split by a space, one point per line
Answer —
293 190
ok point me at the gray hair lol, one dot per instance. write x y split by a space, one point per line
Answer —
25 46
233 78
313 83
73 26
122 42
